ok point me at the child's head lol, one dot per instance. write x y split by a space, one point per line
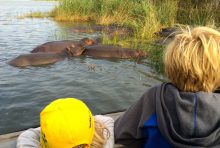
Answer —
192 60
69 123
66 123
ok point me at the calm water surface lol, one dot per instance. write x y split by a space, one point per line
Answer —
24 92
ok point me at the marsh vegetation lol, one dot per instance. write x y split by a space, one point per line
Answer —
144 17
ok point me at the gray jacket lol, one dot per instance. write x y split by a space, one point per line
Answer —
185 119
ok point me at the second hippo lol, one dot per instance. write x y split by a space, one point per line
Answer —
110 51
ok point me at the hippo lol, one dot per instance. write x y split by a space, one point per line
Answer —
36 59
169 32
58 46
110 51
166 35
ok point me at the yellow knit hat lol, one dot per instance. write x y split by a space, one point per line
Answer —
66 123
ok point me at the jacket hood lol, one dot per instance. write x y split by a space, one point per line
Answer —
188 119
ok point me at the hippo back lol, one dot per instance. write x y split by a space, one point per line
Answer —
34 59
54 46
110 51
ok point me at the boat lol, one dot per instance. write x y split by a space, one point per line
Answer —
9 140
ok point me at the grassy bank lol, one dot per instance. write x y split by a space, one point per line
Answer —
144 17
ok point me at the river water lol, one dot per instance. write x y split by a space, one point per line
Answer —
113 84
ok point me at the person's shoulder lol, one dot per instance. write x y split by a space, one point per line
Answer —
29 138
162 84
30 131
154 87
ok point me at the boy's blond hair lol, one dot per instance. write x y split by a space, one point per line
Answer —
192 60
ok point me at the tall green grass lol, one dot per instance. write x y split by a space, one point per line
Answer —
144 16
199 12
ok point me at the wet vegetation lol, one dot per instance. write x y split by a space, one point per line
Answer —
143 17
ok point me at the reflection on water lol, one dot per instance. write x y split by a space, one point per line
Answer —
111 85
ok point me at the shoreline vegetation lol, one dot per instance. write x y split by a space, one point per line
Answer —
143 17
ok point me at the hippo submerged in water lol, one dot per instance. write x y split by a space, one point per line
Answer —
35 59
110 51
99 51
58 46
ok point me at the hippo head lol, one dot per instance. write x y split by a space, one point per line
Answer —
87 42
141 54
73 51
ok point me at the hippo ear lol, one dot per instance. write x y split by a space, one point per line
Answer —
76 51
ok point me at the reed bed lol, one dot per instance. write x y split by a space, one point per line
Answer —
144 16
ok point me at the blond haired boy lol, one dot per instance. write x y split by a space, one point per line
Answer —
184 113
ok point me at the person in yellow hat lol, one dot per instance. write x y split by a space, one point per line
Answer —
68 123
